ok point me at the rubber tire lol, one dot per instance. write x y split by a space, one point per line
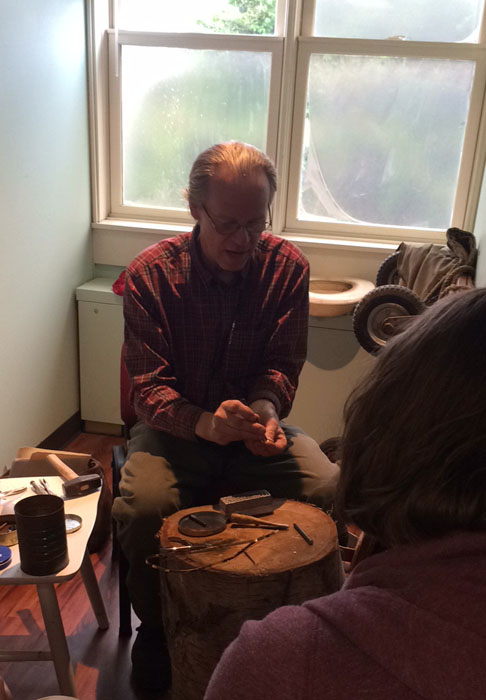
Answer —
392 295
388 271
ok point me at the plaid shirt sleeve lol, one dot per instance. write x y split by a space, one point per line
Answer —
147 355
286 350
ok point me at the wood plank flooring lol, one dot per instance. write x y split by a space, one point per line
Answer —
101 659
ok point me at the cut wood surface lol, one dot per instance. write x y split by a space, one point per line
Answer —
204 608
285 550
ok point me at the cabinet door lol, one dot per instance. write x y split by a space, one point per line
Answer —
100 342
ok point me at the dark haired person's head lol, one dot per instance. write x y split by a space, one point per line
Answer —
414 443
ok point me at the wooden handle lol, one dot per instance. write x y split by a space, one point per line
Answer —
251 520
61 467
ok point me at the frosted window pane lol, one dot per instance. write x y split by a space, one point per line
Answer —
383 139
176 103
415 20
213 16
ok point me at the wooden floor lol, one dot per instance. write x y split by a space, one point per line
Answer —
101 659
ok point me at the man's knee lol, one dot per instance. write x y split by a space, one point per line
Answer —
322 491
145 439
310 458
319 475
148 492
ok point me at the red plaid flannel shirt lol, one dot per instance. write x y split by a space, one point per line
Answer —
192 341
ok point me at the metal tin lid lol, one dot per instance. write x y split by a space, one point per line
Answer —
202 523
73 522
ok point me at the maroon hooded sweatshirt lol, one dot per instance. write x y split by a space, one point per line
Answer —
409 623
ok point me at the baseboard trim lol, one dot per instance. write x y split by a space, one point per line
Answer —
64 434
93 426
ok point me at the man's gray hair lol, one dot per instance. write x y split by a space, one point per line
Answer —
241 158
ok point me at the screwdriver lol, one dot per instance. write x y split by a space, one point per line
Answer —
251 520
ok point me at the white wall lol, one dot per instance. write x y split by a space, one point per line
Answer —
335 364
44 215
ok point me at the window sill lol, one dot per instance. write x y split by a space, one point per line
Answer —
118 241
154 227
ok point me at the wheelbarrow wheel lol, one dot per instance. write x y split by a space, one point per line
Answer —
388 271
381 314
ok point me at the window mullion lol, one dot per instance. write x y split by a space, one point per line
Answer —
280 16
115 123
308 17
97 19
285 122
474 154
482 27
273 102
297 143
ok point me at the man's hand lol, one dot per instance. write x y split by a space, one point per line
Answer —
232 421
274 441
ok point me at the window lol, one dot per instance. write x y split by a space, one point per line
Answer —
370 108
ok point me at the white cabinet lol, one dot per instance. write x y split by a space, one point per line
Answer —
100 317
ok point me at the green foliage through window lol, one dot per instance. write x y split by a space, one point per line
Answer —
245 17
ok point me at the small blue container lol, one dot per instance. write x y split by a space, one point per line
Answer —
5 556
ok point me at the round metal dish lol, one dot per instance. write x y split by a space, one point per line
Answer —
73 522
202 523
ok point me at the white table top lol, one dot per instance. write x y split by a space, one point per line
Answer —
84 506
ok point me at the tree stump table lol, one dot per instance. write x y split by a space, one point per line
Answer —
207 595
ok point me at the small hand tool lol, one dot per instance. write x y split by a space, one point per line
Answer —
12 492
203 523
37 488
250 520
196 519
46 487
41 488
201 546
303 534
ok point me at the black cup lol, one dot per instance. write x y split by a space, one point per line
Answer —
41 531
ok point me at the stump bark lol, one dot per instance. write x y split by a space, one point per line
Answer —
204 608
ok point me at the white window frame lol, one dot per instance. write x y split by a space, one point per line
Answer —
216 42
309 46
288 85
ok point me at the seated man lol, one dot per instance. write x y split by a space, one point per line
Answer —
215 338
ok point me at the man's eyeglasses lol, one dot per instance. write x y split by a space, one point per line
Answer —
230 227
